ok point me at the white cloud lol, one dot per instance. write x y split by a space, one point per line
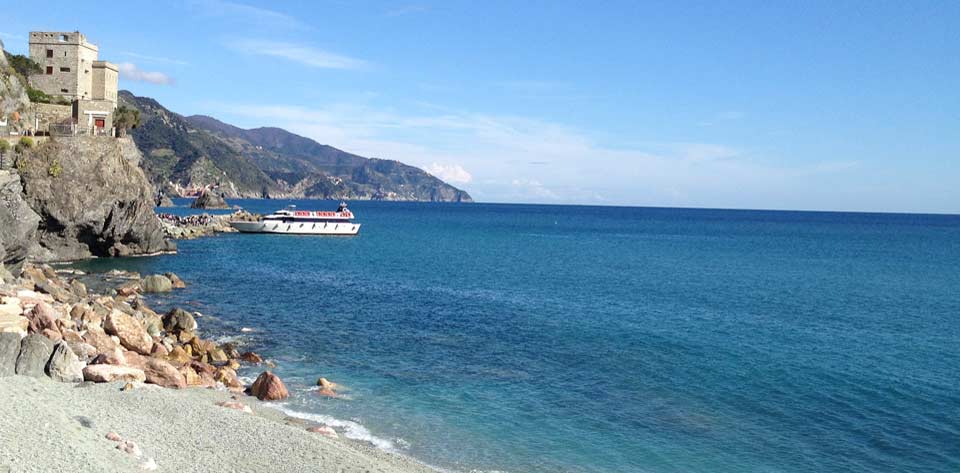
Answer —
303 54
450 173
506 156
246 13
130 71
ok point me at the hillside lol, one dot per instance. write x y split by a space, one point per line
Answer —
191 152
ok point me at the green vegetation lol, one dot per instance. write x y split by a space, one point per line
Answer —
39 96
55 169
23 65
25 143
126 118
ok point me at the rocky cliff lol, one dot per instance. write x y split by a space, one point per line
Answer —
92 198
18 224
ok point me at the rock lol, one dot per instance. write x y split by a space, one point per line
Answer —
236 405
52 334
129 289
327 384
99 339
64 366
107 208
217 356
111 373
84 351
230 350
233 364
159 351
157 371
228 377
9 350
251 357
113 436
78 288
14 324
179 320
130 447
324 430
35 351
130 331
58 293
156 283
127 387
18 222
209 199
202 347
42 317
268 387
190 376
175 281
178 355
113 357
66 325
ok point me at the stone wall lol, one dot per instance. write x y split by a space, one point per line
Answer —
105 77
88 111
49 114
66 60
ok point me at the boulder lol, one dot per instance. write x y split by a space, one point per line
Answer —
42 316
178 355
157 371
78 288
156 283
175 280
268 387
9 350
35 351
113 357
228 377
130 331
18 222
111 373
14 324
84 351
217 356
99 339
52 334
64 366
179 320
251 357
190 376
209 199
107 208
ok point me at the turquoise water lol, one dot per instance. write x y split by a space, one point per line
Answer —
528 338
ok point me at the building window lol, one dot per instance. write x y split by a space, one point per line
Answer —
63 91
49 70
49 53
64 69
64 37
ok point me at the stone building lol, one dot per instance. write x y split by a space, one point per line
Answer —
70 68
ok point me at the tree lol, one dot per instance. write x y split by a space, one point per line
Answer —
126 118
23 65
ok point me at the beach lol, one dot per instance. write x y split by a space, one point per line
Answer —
51 426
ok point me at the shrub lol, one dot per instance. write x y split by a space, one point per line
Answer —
55 169
23 65
126 118
38 96
4 146
25 143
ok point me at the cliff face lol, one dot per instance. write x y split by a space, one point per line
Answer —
18 224
92 198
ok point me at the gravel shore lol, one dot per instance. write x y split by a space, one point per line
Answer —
49 426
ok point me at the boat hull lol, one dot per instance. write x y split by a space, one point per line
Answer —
298 228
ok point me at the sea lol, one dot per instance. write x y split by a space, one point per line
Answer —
544 338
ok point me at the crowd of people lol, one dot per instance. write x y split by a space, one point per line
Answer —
186 220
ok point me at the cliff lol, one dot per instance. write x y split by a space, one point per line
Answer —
18 224
92 198
191 152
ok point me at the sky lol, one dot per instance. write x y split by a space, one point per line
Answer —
814 105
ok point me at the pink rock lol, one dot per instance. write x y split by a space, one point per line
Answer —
42 317
324 430
99 339
113 436
130 447
111 373
113 357
129 330
269 387
157 371
236 405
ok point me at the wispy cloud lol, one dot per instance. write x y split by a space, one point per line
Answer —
450 172
247 13
410 9
130 71
303 54
154 59
11 36
505 156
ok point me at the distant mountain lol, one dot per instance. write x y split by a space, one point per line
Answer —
190 152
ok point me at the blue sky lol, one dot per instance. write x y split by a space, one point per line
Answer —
787 105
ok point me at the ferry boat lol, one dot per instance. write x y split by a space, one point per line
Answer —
303 222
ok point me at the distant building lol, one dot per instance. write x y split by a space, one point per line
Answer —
70 68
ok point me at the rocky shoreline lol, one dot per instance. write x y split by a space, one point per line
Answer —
188 227
53 328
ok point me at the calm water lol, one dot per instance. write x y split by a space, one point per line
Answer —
581 339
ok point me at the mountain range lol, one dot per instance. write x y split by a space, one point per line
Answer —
186 153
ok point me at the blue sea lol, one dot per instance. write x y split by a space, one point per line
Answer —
528 338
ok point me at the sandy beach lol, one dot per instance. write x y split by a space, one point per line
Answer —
49 426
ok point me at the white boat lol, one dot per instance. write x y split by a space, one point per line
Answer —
303 222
